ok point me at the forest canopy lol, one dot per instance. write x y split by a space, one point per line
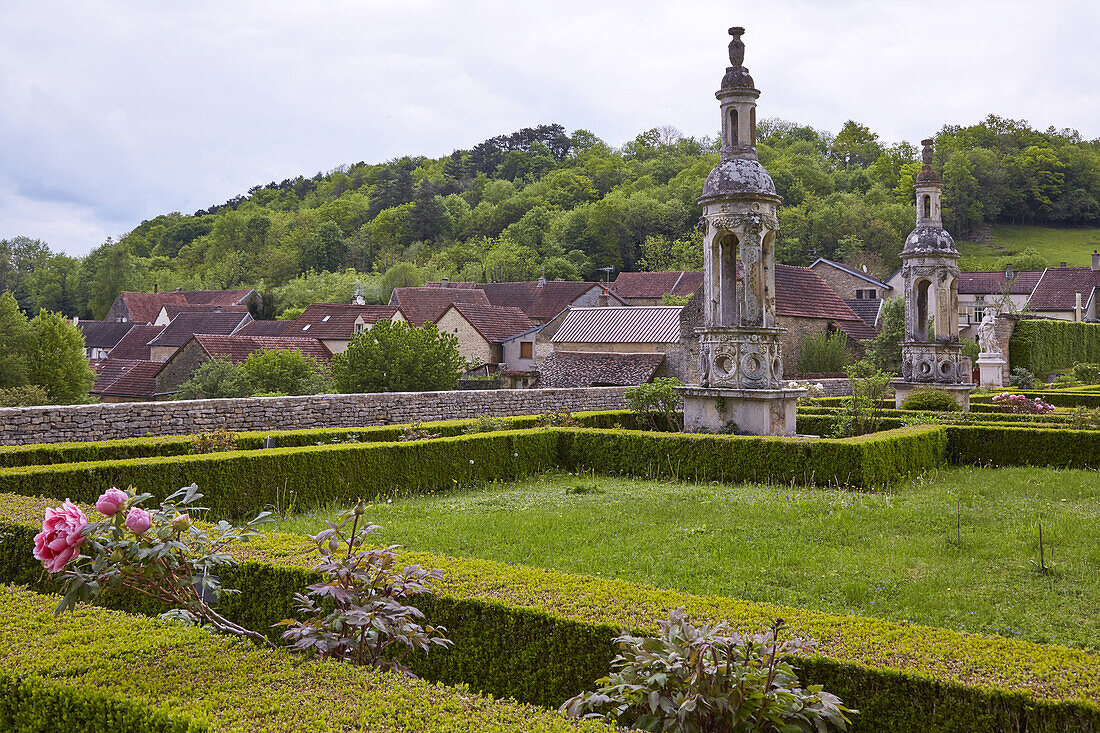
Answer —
543 202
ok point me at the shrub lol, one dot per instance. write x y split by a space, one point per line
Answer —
215 378
219 441
1021 378
1019 404
931 400
824 353
1064 381
690 679
657 402
394 357
862 413
1082 418
1086 373
1043 345
282 371
27 395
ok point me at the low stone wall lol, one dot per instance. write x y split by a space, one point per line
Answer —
23 425
834 386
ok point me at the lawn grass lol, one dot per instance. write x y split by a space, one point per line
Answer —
1073 246
895 555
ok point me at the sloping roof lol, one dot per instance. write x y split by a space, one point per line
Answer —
541 300
993 283
867 309
237 348
108 370
592 369
421 305
144 307
800 292
851 271
656 284
621 324
135 344
857 330
1058 287
495 323
137 381
264 328
186 325
465 285
174 309
102 334
336 320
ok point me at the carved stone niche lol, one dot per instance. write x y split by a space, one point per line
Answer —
740 358
934 363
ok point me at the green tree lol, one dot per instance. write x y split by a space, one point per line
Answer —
16 336
326 249
855 145
393 357
215 379
282 371
885 349
962 210
57 360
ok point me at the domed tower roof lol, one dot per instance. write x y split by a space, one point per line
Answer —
738 173
929 238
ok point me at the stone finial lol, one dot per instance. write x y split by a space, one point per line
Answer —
926 154
737 47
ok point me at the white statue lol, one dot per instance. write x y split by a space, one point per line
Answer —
987 333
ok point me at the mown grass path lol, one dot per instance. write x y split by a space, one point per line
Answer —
957 549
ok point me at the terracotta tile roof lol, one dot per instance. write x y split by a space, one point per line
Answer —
621 324
867 309
102 334
465 285
186 325
495 323
336 320
541 302
145 307
421 305
264 328
857 330
1058 287
656 284
108 370
993 283
237 348
593 369
174 309
135 344
800 292
137 381
851 271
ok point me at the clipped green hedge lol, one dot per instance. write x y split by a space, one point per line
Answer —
1042 346
100 670
1056 397
1003 445
542 635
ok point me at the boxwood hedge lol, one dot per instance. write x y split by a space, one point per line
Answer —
100 670
541 636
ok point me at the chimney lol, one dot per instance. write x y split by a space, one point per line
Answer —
602 300
1009 274
1077 308
1095 260
1062 263
542 282
443 281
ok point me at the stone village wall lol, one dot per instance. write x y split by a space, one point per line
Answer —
57 424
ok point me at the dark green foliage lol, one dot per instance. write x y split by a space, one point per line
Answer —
282 371
1023 446
1042 346
824 353
658 402
932 400
394 357
1021 378
885 349
215 379
15 334
27 395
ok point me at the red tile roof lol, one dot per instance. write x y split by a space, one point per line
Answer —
465 285
145 307
174 309
135 344
621 324
857 330
541 302
992 283
264 328
1057 289
594 369
186 325
108 370
237 348
495 323
102 334
421 305
137 381
656 284
336 320
800 292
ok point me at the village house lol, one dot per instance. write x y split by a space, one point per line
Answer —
185 325
100 337
127 380
134 346
650 288
171 310
482 330
336 324
144 308
418 306
850 283
541 300
201 348
1068 293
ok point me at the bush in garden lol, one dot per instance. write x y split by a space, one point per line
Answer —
357 612
219 441
1082 418
692 679
1019 404
159 553
26 395
560 419
930 400
1021 378
862 413
657 402
1086 373
823 353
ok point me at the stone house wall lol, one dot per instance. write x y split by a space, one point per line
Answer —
471 345
180 367
57 424
845 284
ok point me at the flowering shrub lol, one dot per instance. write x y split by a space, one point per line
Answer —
694 679
219 441
156 552
367 621
813 391
1019 404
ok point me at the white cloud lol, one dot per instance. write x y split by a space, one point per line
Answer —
115 112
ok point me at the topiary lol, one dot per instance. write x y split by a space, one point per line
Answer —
930 400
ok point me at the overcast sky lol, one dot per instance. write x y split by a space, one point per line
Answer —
113 112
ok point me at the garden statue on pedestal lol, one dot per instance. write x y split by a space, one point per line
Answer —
740 365
991 360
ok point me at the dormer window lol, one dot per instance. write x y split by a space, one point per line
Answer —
306 327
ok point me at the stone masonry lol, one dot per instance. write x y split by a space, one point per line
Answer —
58 424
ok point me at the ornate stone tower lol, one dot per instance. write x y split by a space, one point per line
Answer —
930 268
740 364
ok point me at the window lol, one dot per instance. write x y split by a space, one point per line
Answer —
927 207
526 349
306 327
325 319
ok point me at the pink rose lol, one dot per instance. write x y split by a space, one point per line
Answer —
111 501
181 522
138 520
61 537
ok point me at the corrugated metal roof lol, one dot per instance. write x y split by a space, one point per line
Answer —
637 324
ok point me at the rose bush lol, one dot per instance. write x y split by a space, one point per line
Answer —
1021 405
